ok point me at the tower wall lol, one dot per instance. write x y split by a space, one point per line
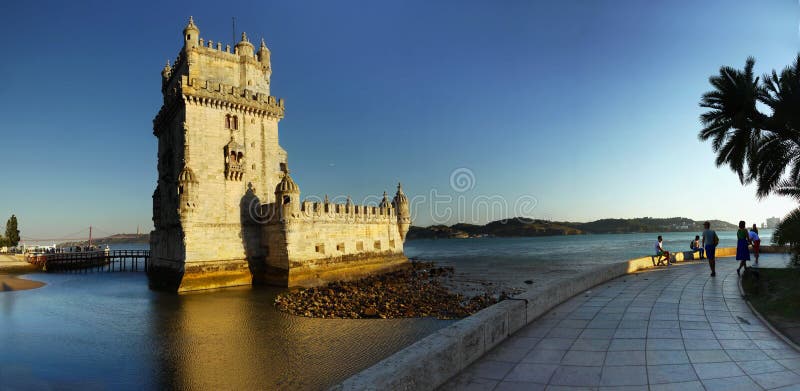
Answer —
329 242
219 122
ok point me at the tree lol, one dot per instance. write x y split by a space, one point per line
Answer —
762 147
733 119
12 231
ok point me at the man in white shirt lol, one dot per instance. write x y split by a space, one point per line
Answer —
660 249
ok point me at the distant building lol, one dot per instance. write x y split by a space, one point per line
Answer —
226 211
773 222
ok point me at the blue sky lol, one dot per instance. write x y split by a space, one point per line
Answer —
588 108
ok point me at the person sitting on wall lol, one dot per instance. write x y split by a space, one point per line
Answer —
660 249
695 246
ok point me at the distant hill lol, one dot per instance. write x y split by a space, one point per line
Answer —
649 224
503 228
525 227
113 239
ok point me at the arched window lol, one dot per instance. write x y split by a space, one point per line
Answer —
235 122
239 156
228 121
233 156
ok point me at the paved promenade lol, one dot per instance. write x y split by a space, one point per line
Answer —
667 329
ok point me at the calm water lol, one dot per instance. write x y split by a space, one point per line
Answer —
581 249
108 331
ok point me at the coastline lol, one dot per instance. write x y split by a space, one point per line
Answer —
10 269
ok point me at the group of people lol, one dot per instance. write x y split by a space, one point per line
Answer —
707 245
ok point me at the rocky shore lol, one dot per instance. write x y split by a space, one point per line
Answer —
422 290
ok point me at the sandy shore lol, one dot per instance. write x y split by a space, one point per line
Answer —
10 267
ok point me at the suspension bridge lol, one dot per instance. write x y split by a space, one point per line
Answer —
88 234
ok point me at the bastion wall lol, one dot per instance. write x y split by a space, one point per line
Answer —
323 242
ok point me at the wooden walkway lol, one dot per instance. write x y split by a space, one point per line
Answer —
115 260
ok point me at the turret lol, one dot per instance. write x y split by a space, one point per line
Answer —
191 35
263 54
400 203
384 202
186 191
165 75
287 196
166 71
244 47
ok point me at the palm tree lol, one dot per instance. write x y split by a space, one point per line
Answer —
733 121
781 148
760 147
788 231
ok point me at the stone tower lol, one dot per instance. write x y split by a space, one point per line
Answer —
225 209
218 160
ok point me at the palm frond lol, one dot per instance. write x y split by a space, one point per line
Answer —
733 121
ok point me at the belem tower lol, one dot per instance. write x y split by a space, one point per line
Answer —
226 211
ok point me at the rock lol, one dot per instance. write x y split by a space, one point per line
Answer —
414 292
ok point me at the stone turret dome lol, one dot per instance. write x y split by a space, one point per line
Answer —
167 70
287 185
385 201
263 53
187 176
191 27
263 47
244 46
191 35
400 197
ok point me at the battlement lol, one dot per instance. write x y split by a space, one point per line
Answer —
209 48
214 93
216 52
211 93
330 212
240 65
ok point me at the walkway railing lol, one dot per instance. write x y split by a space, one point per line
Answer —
115 260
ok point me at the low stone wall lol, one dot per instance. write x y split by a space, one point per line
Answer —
431 361
775 249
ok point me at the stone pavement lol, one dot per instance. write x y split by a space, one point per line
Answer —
666 329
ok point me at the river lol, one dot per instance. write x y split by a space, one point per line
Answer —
105 330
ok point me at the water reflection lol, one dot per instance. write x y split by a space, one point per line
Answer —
108 331
220 341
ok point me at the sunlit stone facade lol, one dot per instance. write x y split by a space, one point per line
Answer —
226 211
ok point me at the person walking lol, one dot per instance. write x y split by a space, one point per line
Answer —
742 252
710 242
756 242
